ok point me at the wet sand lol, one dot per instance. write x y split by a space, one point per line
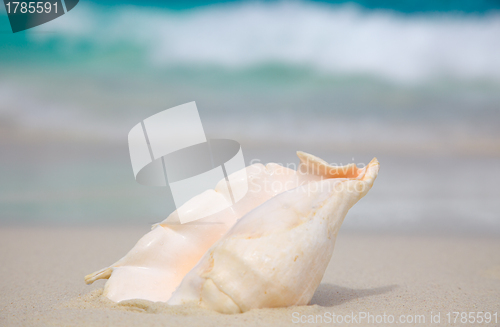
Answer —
416 276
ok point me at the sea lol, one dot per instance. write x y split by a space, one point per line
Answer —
415 83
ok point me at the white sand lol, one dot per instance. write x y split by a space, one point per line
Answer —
42 280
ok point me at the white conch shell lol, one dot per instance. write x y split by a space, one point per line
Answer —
276 255
155 266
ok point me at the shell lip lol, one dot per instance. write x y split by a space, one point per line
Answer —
310 164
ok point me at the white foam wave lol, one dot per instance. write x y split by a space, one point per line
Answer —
329 39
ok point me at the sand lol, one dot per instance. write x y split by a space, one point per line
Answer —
42 281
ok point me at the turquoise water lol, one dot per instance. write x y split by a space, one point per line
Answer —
405 6
374 61
416 83
333 39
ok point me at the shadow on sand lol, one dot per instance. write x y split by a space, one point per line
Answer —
328 295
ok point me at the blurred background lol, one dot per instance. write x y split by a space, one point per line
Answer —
414 83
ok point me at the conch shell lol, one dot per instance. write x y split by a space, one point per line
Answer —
276 255
156 265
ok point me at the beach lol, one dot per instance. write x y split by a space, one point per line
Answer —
410 275
423 242
414 84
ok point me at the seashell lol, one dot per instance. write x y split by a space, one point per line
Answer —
155 266
276 255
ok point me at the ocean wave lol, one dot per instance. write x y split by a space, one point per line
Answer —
339 40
